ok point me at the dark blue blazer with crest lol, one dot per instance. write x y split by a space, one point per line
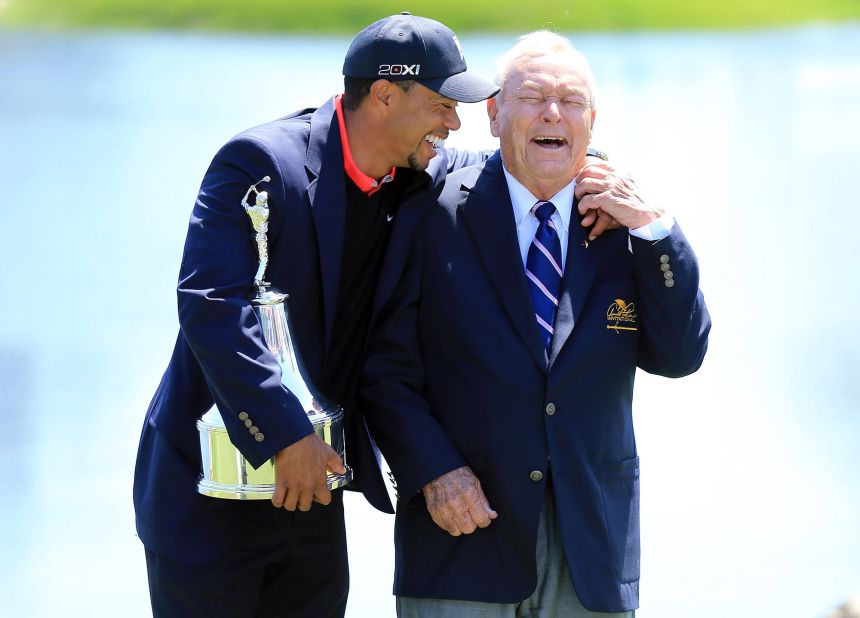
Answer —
220 357
457 375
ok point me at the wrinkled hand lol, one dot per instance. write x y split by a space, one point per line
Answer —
601 190
300 473
595 218
457 503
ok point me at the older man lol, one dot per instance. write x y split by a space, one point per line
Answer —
500 377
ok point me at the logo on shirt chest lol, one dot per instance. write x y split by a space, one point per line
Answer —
621 315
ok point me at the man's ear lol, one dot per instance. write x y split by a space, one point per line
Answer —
493 113
591 129
380 93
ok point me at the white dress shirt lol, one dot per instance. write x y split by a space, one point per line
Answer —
527 223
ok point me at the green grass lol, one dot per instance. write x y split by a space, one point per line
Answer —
347 16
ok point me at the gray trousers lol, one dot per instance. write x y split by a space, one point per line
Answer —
554 596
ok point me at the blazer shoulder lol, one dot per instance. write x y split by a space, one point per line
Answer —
278 134
459 183
485 178
283 143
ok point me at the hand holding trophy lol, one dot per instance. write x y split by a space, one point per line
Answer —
290 478
300 473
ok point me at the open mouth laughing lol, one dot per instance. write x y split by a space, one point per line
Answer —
549 142
435 141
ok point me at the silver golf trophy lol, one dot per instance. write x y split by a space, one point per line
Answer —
226 472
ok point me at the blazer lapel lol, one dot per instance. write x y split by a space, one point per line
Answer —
579 271
327 197
488 215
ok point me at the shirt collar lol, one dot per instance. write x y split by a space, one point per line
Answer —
523 200
365 183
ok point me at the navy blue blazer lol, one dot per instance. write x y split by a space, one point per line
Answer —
220 357
457 375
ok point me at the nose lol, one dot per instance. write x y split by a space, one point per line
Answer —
452 120
551 112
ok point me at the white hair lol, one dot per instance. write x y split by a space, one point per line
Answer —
538 44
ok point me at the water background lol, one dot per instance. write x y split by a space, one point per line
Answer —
751 468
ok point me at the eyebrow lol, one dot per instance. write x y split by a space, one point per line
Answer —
537 86
531 85
440 99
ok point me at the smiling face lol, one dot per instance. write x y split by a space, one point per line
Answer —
420 124
543 117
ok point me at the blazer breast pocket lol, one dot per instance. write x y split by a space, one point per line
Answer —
614 315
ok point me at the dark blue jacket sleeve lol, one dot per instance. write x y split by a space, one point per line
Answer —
215 315
414 443
675 320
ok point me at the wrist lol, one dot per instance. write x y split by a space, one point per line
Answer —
597 154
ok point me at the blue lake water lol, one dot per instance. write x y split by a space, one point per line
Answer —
751 468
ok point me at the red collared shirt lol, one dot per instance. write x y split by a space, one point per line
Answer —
365 183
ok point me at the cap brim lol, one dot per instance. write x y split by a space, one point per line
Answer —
464 87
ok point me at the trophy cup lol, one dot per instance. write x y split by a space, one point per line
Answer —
226 472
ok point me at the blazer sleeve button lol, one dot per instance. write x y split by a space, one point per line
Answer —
536 475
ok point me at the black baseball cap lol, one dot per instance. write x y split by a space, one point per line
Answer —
407 46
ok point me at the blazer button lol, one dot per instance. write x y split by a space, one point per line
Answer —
259 437
254 431
536 475
664 259
669 282
243 416
664 267
550 408
249 423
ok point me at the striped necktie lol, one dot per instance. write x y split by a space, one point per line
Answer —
543 270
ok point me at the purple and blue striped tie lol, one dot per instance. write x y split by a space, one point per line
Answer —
543 270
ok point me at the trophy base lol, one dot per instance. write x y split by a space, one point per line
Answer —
228 475
262 491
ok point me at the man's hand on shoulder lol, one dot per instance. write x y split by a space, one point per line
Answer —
457 503
300 473
609 199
